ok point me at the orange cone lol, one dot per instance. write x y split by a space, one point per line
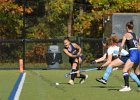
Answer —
21 65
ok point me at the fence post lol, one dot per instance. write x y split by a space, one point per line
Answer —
79 40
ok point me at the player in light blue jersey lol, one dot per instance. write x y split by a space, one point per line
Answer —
114 50
112 59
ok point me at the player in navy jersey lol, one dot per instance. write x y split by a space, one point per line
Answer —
134 58
74 52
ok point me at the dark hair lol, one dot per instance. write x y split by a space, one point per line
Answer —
130 25
67 38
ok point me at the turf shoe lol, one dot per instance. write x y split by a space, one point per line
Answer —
125 89
101 80
71 82
83 79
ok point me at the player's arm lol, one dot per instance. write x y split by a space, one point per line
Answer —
69 54
109 59
101 59
139 44
78 48
122 44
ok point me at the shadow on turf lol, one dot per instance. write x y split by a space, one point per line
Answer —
67 83
115 88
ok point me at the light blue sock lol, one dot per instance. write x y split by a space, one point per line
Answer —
107 73
135 78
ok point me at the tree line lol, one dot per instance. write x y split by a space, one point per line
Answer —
53 18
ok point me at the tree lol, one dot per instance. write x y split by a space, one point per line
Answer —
11 22
53 18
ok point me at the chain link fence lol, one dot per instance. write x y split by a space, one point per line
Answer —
37 53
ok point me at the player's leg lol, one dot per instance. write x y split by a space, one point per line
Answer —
114 63
128 65
134 58
73 76
136 70
135 75
83 77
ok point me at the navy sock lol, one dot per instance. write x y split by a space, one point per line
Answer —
126 79
73 75
82 76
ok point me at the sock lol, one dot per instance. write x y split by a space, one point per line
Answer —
82 76
73 75
107 73
126 78
135 78
138 76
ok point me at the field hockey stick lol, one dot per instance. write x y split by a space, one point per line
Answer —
69 73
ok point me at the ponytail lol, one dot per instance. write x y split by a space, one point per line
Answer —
130 25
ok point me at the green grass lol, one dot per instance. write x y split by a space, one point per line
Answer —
40 85
7 81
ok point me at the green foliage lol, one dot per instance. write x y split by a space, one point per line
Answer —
49 18
54 21
35 53
57 16
10 21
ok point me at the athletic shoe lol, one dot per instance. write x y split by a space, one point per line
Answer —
101 80
71 82
125 89
83 79
122 86
115 68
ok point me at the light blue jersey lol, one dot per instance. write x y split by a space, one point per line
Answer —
114 50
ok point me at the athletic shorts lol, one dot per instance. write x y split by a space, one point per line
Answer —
134 55
124 58
72 60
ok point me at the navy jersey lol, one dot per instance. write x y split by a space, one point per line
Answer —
72 49
132 43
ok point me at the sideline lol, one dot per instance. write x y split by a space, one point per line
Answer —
15 93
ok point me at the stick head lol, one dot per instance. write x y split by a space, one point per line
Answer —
67 75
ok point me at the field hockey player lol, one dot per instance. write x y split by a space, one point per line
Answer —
74 52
